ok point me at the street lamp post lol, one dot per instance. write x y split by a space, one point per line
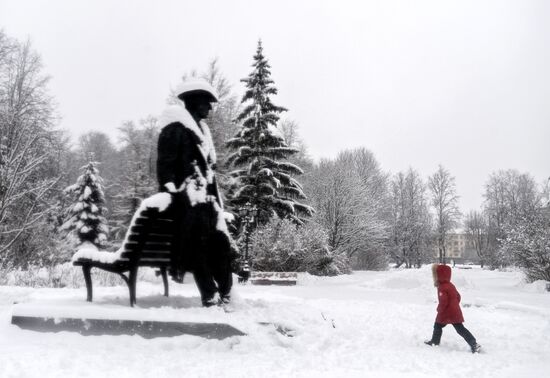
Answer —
247 213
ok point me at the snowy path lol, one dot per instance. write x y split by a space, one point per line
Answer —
380 320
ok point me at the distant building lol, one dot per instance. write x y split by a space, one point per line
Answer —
458 249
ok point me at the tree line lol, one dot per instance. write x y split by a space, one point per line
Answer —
325 217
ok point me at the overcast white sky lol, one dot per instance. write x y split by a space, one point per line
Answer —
461 83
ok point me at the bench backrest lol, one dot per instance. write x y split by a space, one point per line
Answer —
149 239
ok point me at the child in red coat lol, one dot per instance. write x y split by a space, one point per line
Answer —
448 309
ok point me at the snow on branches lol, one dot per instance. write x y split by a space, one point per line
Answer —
260 151
528 244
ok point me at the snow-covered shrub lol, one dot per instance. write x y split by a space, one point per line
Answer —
38 276
528 245
62 275
282 246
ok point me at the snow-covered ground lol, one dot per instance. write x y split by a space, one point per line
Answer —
368 324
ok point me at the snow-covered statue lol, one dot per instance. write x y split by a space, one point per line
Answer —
185 167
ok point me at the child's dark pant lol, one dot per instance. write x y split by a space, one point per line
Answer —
460 329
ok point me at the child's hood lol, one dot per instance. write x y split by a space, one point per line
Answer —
441 273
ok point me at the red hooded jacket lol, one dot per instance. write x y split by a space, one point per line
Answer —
448 310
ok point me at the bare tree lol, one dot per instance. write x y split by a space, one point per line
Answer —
510 197
97 146
445 203
329 189
7 47
410 220
291 135
477 231
349 195
136 179
27 141
546 193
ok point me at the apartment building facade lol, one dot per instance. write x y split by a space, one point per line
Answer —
458 249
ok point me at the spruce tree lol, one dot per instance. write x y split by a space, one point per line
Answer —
86 219
264 175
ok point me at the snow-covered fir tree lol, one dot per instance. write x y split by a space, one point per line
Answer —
266 179
86 220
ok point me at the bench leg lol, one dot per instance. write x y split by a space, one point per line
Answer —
88 279
164 280
132 285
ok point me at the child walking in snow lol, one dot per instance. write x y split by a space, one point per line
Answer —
448 309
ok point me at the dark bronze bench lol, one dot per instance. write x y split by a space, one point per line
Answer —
147 244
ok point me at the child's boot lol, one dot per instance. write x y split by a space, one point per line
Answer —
475 347
436 335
